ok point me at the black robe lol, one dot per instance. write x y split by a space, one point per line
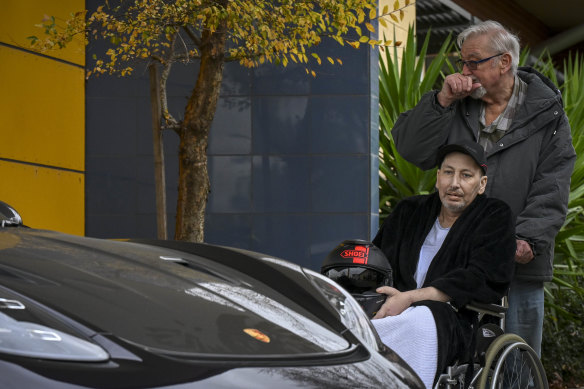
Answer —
475 262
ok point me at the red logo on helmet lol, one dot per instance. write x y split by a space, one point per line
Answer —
360 254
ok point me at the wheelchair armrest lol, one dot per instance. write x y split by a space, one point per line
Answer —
488 309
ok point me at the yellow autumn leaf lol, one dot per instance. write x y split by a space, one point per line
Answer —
317 58
396 5
401 14
394 18
258 33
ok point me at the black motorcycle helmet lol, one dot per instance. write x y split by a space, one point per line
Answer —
360 267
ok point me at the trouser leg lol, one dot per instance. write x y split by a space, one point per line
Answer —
525 314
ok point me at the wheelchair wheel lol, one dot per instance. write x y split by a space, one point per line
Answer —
511 364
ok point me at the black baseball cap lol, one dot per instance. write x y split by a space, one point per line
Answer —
468 147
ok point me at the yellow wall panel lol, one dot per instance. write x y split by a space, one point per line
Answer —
42 119
20 16
45 198
42 103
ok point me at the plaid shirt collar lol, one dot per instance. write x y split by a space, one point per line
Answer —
496 130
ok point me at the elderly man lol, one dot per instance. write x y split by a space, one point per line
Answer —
516 115
445 249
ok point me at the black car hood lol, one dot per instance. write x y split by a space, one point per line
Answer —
169 301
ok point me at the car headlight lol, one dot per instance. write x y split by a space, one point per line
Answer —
34 340
350 312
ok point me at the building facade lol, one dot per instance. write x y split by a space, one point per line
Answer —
292 158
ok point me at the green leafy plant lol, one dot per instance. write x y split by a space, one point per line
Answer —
563 338
401 85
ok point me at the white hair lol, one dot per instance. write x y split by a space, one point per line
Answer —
502 41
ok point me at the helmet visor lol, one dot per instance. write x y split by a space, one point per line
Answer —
357 279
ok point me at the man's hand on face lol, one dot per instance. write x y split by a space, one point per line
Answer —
523 254
456 86
396 302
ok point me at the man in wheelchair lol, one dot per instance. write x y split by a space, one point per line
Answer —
445 250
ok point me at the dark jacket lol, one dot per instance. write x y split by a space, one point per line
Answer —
530 169
475 261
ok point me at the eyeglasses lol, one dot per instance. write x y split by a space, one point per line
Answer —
473 65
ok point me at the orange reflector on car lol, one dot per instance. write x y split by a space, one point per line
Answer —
257 334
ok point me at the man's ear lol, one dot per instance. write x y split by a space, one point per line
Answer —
505 62
437 174
482 184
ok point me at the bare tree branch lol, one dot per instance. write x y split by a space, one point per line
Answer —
158 58
170 121
184 46
193 36
181 57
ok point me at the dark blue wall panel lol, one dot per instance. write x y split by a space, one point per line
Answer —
292 158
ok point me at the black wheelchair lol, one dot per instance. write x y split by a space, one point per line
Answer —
501 361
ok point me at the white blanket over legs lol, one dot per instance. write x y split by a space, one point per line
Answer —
413 336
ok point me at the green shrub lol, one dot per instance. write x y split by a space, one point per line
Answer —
563 340
563 337
401 85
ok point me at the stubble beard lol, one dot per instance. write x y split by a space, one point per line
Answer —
457 207
478 93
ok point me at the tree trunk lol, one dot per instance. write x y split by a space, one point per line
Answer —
159 173
193 180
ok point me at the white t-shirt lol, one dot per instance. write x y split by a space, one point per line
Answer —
431 245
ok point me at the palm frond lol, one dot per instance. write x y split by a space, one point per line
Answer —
403 79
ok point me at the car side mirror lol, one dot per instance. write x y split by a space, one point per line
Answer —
8 216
